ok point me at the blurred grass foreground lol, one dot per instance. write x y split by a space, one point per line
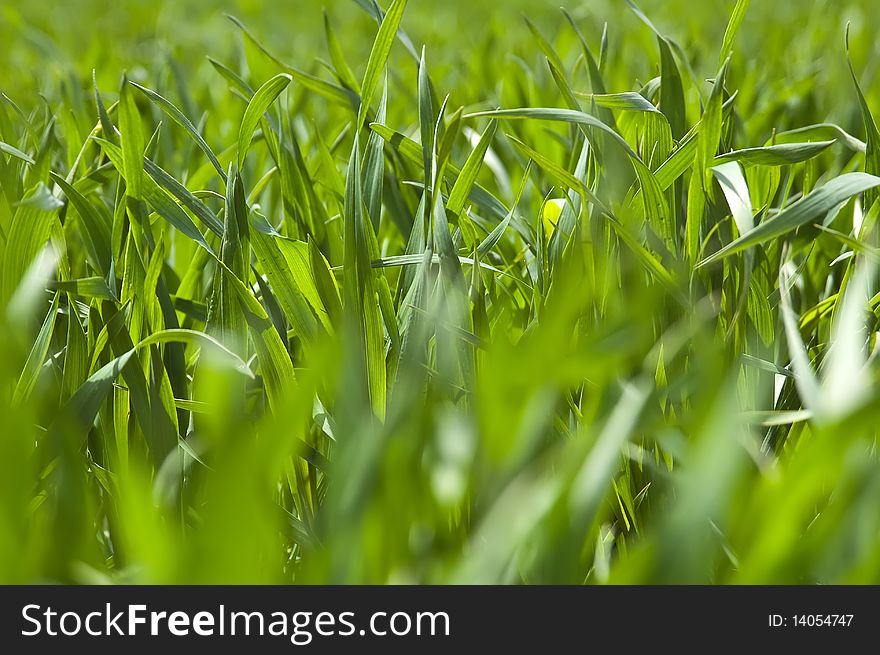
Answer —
583 296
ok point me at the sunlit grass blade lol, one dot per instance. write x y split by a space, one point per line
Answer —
379 56
180 118
258 106
733 25
818 203
774 155
132 141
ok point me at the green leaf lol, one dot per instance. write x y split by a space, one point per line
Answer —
426 120
379 56
696 209
672 102
15 152
325 284
103 117
343 72
233 78
284 285
733 25
160 200
132 142
198 339
736 191
872 147
97 231
225 316
807 209
359 289
775 155
374 168
332 92
414 260
628 101
710 129
178 117
821 131
28 378
185 196
804 376
76 360
27 236
86 287
258 106
468 176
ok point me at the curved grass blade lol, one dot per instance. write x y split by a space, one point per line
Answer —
178 117
84 404
97 230
654 200
258 106
15 152
818 203
733 25
158 198
872 146
821 131
775 155
185 196
628 101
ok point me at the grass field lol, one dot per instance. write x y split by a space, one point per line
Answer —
303 292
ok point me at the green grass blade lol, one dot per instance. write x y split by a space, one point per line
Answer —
28 378
710 128
15 152
343 71
258 106
468 176
775 155
807 209
132 142
379 56
733 25
872 146
628 101
97 231
178 117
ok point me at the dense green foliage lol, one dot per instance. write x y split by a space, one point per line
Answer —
565 297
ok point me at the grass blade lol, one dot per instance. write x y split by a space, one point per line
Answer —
258 106
807 209
178 117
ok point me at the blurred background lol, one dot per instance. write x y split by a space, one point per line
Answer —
789 42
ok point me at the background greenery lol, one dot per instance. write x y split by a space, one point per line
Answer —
303 364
